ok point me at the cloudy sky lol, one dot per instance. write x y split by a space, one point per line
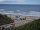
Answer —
19 1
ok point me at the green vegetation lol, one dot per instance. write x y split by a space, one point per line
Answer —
4 19
34 25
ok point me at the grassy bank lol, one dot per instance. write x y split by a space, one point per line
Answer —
34 25
4 19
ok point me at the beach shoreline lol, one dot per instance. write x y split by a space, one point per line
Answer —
20 16
22 22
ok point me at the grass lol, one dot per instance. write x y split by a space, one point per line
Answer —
4 19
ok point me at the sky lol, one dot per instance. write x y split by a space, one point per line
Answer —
19 1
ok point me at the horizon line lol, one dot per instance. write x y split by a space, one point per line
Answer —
25 4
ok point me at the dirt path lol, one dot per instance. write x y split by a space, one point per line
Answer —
21 22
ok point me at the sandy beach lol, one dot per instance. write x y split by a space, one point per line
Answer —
22 22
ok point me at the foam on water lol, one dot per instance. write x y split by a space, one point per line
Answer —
18 12
34 13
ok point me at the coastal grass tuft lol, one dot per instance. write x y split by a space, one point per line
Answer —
4 19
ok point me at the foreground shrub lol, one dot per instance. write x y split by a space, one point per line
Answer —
4 19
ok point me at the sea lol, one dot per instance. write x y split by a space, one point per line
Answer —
20 9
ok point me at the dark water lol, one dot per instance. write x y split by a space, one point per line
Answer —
15 7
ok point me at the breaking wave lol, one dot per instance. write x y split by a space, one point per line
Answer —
18 12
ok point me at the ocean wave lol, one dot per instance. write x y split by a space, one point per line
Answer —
2 9
18 12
